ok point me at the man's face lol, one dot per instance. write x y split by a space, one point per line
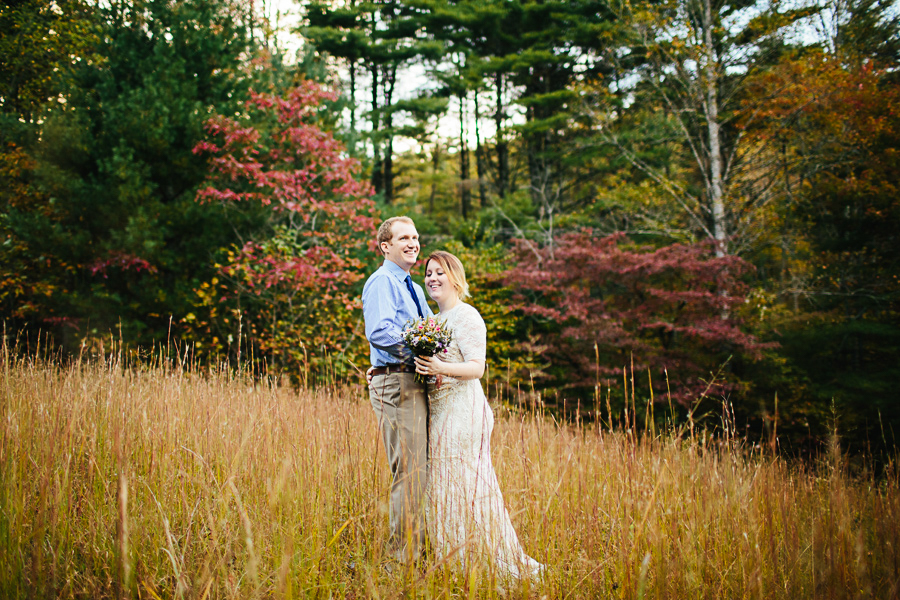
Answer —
403 249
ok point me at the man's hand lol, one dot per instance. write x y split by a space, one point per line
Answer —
369 375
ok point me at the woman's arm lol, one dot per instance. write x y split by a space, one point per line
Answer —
471 336
432 365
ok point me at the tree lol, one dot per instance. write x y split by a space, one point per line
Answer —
39 41
834 123
290 288
38 46
482 54
598 306
860 31
694 59
524 57
383 36
111 214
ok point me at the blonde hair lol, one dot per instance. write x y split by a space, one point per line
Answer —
385 230
453 267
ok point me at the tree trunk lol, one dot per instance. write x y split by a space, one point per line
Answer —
352 107
502 148
465 196
479 158
377 177
535 170
435 167
388 171
353 97
537 143
716 161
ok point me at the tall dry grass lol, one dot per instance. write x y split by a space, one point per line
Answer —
168 482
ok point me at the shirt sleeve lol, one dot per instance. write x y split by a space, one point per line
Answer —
382 329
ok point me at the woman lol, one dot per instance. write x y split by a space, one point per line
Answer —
464 511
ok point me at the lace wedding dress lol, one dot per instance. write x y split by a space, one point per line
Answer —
465 515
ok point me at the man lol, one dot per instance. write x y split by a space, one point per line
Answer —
390 299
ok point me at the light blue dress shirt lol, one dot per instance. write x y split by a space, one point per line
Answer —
387 306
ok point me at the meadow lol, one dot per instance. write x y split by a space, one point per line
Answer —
164 480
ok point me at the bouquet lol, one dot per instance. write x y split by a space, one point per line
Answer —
426 337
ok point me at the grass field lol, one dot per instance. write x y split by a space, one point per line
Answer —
165 482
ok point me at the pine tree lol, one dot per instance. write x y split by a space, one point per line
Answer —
121 238
379 39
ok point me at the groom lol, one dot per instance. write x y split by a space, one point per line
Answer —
390 299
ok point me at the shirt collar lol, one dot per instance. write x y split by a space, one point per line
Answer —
395 270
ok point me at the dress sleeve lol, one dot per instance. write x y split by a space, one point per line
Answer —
471 335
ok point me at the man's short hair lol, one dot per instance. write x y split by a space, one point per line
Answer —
385 230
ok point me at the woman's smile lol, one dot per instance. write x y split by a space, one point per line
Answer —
439 286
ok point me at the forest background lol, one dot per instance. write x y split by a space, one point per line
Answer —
686 203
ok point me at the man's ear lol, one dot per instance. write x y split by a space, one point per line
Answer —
382 247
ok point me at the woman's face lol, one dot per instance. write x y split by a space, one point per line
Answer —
437 283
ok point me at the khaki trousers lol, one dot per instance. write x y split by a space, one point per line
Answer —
401 407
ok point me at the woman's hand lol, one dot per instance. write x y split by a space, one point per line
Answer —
430 365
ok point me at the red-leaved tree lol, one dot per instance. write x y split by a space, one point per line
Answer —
287 294
599 305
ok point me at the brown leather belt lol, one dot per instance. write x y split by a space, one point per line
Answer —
387 370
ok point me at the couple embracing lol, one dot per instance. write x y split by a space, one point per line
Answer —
436 435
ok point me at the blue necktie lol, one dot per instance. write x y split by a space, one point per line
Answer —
413 293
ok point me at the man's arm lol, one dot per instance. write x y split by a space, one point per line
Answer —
380 312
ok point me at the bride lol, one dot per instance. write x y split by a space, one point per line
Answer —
464 512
